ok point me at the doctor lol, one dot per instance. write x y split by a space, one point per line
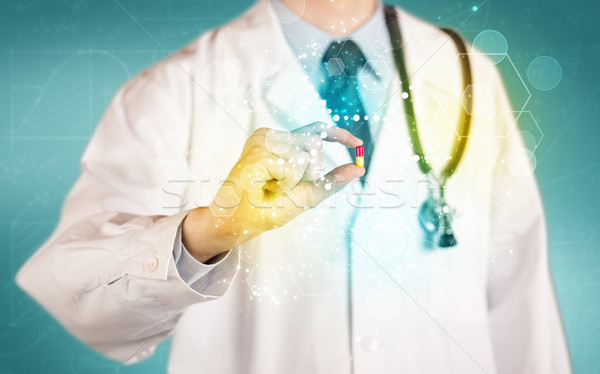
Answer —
219 205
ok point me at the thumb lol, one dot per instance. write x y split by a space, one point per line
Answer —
311 194
342 175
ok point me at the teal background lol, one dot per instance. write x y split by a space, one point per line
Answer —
61 61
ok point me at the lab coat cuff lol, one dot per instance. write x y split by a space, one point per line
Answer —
219 277
155 248
191 270
168 299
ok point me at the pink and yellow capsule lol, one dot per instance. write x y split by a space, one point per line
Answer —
360 157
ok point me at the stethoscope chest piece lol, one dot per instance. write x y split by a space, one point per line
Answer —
429 216
435 217
446 239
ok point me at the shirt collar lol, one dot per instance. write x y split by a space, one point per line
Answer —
310 42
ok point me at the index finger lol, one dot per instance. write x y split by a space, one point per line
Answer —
329 133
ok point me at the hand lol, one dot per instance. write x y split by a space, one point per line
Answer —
277 177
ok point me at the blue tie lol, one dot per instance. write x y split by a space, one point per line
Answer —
342 62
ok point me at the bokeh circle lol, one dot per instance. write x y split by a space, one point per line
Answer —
493 43
544 73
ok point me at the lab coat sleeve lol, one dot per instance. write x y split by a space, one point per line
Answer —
108 272
524 318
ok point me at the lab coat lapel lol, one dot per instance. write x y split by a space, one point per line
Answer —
289 96
292 95
435 77
297 104
391 143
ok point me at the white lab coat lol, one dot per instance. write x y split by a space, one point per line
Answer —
279 304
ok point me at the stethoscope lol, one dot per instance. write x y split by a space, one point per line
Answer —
435 215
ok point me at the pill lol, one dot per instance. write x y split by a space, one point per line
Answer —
360 157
